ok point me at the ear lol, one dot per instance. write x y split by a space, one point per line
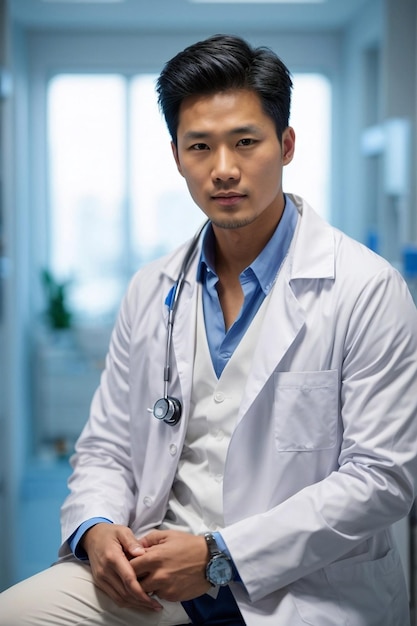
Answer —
176 157
288 145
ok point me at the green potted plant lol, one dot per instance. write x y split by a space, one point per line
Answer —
57 312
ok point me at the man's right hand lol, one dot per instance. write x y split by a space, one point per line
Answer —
110 547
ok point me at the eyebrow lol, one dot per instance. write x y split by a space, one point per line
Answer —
249 129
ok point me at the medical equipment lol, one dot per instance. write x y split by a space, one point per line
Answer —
167 408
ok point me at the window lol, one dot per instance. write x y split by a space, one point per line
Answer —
163 213
309 173
87 165
116 198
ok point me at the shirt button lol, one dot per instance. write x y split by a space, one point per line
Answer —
218 478
147 501
173 449
219 435
219 396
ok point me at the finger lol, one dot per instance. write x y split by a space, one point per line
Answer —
116 576
144 598
130 590
130 544
128 594
148 585
153 538
143 566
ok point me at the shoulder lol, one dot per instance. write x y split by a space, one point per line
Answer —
350 258
152 282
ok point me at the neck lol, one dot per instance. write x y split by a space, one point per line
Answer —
236 248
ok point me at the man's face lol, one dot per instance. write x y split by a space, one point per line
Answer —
229 154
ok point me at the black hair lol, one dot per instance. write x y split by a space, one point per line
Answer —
220 63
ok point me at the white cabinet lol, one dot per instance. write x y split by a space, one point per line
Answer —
66 373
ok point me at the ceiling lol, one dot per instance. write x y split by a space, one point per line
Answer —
186 15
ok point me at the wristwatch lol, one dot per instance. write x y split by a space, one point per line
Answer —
219 568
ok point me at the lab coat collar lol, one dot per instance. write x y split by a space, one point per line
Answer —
312 252
172 267
313 248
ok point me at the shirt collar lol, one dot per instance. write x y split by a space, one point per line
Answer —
267 263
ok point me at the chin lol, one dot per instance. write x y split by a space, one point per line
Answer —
232 222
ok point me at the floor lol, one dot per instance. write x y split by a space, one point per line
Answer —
413 566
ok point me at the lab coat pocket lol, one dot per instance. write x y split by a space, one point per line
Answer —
306 410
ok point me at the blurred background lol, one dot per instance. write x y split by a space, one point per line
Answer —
89 192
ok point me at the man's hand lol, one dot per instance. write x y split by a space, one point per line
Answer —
173 566
110 549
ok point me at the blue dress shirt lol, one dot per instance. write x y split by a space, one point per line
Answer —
256 280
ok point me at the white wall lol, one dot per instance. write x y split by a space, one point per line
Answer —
16 311
3 422
392 33
364 34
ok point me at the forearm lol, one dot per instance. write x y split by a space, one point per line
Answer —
312 529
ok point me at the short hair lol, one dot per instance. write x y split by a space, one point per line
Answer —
221 63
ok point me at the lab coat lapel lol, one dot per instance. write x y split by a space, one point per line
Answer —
311 256
284 319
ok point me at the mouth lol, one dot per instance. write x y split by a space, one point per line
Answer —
228 198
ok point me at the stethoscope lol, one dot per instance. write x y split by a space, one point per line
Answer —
167 408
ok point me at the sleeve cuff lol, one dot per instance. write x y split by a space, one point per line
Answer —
223 547
74 540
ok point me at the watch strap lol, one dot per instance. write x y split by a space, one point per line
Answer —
212 546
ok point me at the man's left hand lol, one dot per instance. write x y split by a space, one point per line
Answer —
173 566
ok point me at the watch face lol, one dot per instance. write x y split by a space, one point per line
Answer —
219 570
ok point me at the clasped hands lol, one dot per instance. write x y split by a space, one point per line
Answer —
170 564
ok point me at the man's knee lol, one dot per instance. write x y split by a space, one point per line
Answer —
34 601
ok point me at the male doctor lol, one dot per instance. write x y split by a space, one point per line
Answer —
254 435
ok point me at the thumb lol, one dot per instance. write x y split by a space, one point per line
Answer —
135 549
131 545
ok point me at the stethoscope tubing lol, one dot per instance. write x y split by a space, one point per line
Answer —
172 309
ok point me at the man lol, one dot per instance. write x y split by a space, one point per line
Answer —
285 440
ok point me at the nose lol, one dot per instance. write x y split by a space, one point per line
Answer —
225 165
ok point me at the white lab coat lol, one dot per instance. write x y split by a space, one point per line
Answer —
323 457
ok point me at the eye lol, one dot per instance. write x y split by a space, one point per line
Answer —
199 146
246 141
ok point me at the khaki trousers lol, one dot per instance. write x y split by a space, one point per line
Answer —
65 595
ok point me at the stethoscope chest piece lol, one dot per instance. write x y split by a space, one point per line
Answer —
167 410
